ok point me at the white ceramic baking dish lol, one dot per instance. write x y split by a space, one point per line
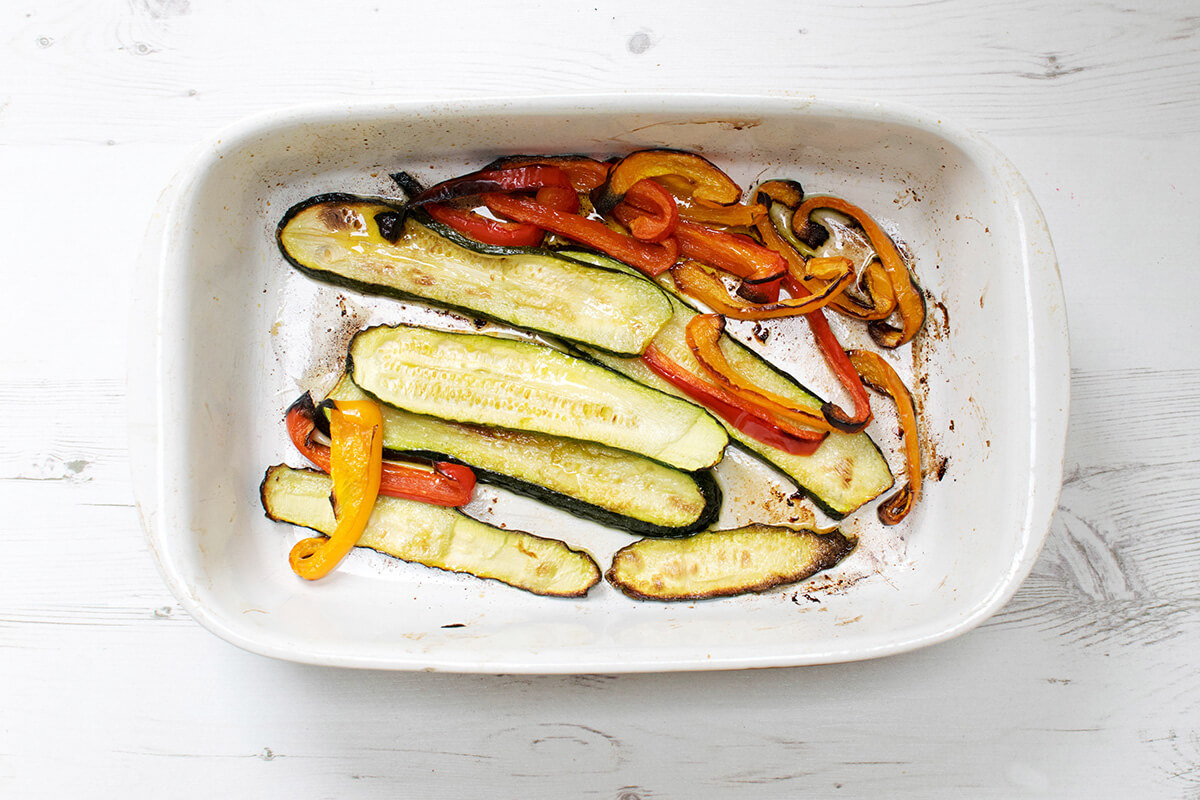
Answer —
228 335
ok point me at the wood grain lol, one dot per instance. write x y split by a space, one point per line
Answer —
1084 685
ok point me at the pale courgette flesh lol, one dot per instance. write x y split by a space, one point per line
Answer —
723 563
435 536
336 238
519 385
613 487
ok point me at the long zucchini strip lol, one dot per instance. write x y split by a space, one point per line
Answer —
337 239
603 484
722 563
437 537
488 380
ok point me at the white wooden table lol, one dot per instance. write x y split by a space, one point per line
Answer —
1085 685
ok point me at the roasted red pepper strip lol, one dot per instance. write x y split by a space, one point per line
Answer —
488 231
839 362
704 339
356 465
761 269
446 485
584 173
514 179
698 283
558 198
656 215
882 378
909 300
751 421
651 259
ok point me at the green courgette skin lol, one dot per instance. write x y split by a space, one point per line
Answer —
705 482
636 329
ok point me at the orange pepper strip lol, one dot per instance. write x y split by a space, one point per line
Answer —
742 215
356 464
697 282
909 300
750 419
874 280
447 484
880 376
704 337
709 184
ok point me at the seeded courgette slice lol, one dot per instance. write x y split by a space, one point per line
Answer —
493 381
603 484
336 238
435 536
723 563
845 472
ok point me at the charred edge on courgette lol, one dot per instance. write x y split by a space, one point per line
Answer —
838 547
407 184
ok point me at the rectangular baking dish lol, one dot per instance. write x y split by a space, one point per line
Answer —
227 335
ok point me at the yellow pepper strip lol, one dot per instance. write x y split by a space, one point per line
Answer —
909 300
880 376
697 282
356 465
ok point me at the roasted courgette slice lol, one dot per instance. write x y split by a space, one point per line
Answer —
435 536
494 381
612 487
724 563
336 238
845 472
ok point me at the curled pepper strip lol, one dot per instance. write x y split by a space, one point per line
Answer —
909 300
759 268
750 420
446 484
704 339
700 284
880 376
709 185
741 215
775 231
649 211
652 259
356 465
